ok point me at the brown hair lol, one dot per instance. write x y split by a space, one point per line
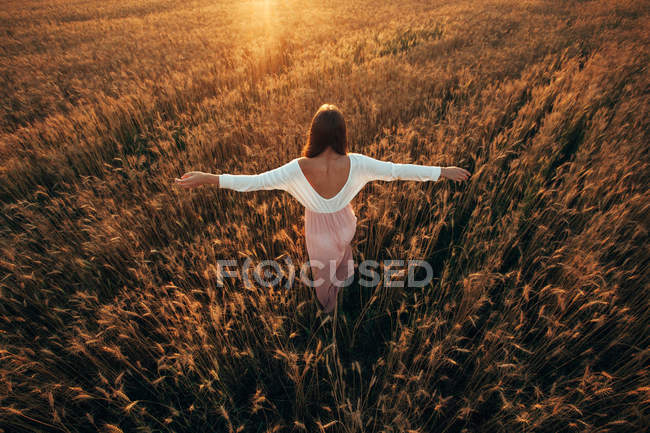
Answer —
327 129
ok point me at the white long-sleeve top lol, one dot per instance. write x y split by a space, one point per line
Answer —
363 169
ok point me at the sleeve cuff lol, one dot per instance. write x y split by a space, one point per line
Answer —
225 181
436 172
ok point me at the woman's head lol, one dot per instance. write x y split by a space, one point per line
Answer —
327 129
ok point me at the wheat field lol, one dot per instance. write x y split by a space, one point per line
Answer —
113 317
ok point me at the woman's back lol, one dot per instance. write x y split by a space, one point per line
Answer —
327 173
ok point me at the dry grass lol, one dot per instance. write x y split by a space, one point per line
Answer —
111 316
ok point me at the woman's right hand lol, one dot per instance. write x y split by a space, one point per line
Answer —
455 173
192 179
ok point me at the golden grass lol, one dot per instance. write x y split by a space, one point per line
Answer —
112 318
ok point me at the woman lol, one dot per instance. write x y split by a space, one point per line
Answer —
324 181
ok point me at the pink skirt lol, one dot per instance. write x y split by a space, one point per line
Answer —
328 237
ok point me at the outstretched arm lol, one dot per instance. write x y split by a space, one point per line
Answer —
278 178
374 169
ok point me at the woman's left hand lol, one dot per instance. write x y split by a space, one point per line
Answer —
192 179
